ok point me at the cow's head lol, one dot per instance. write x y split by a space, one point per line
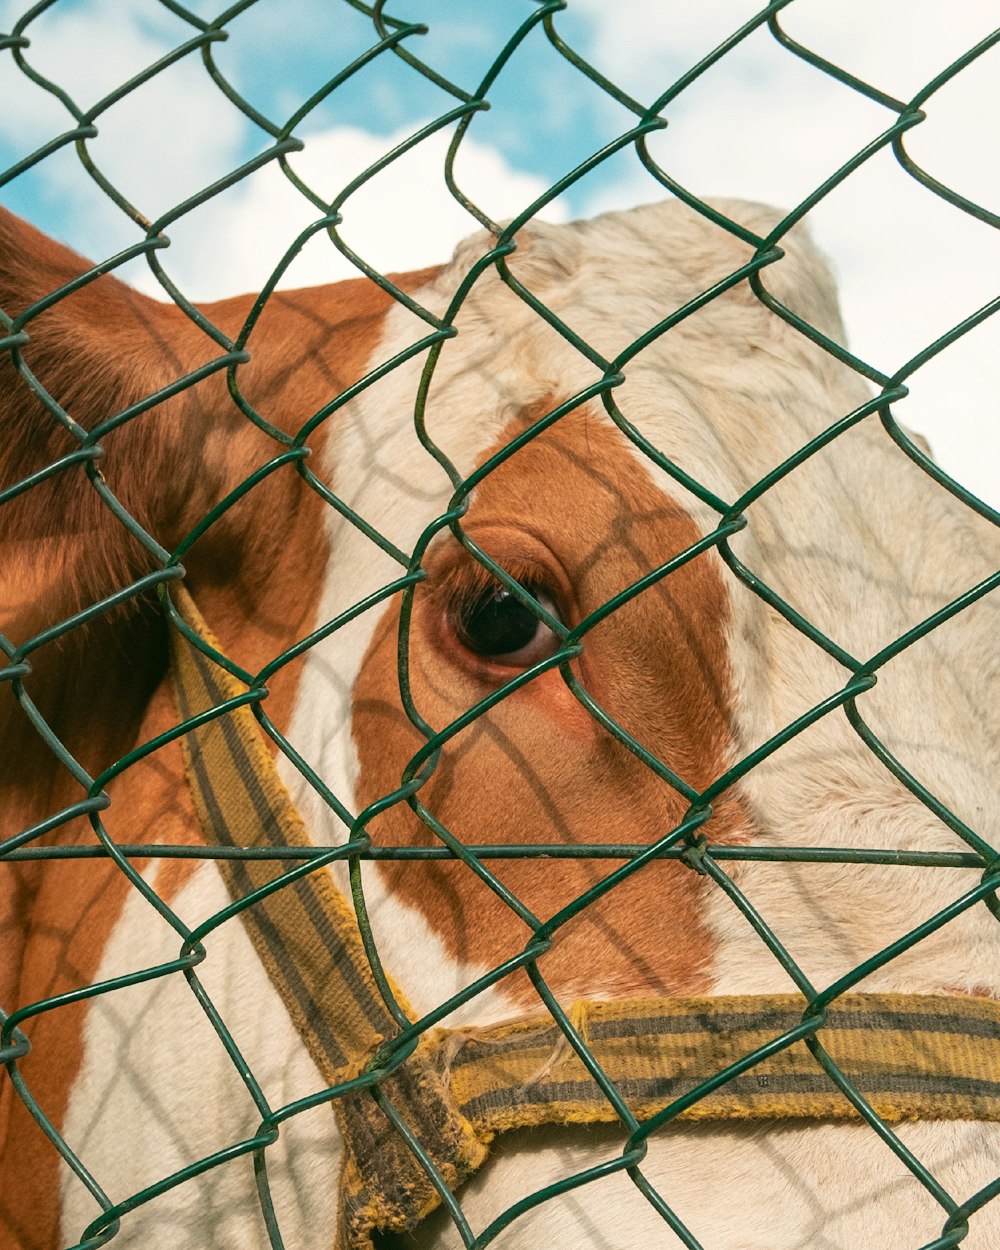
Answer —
585 562
638 665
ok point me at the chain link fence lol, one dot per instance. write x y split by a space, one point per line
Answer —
535 43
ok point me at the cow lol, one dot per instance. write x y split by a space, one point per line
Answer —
635 453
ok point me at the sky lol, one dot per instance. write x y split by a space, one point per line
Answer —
761 124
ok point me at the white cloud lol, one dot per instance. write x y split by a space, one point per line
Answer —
764 125
644 44
157 145
403 218
178 133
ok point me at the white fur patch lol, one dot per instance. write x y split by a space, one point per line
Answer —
157 1092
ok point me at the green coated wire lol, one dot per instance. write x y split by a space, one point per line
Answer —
402 36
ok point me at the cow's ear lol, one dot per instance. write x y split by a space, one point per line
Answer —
151 383
98 423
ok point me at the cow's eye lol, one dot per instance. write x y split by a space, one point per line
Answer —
494 624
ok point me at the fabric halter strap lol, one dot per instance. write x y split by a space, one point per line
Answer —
909 1056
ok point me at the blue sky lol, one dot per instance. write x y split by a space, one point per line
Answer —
761 124
545 115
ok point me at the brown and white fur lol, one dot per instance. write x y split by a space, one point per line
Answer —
697 668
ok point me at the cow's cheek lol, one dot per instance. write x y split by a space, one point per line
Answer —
536 768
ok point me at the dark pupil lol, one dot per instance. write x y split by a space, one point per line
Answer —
495 623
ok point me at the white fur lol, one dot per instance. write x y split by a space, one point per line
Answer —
157 1092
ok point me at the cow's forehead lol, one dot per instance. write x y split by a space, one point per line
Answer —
704 392
707 393
505 368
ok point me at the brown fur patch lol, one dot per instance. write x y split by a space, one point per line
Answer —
574 506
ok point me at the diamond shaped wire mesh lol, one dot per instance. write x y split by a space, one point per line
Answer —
535 37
